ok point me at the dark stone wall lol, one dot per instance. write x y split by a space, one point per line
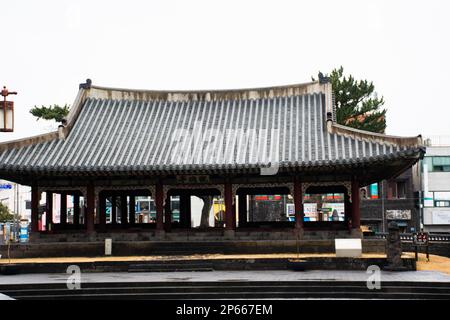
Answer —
371 210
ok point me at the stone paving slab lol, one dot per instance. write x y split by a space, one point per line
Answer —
313 275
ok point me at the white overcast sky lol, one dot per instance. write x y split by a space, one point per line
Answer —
49 47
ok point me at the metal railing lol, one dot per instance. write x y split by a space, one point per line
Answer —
434 237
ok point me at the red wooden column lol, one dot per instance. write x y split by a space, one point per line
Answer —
159 203
123 210
230 219
167 215
76 209
356 213
132 210
48 211
90 209
113 209
298 203
34 208
102 211
63 208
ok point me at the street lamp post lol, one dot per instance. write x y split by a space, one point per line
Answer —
7 116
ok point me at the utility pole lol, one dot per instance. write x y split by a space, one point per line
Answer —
382 205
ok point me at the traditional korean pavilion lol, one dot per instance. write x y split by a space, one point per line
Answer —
117 144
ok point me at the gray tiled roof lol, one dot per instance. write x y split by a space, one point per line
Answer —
136 134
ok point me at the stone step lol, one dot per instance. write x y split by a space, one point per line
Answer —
231 290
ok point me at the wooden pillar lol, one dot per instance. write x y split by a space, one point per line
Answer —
230 215
90 208
132 210
102 211
242 210
123 210
167 215
182 211
356 213
76 209
113 209
48 211
298 203
188 212
35 197
185 210
63 209
159 203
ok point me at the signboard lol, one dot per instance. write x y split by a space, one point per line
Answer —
23 230
428 199
374 191
310 210
5 186
331 207
290 209
420 238
440 216
398 214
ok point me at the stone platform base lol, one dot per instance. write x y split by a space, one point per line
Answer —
204 264
152 248
179 235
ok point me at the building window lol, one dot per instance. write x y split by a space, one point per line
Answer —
442 203
369 192
392 190
437 164
401 190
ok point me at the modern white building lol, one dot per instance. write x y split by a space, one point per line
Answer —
16 197
436 184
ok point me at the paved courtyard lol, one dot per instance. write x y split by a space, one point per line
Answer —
314 275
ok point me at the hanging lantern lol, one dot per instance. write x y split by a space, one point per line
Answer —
6 112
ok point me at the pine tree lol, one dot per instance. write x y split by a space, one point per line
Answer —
357 104
54 112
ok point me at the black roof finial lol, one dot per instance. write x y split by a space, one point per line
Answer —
323 79
86 85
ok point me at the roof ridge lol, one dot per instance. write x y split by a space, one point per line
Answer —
214 94
381 137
